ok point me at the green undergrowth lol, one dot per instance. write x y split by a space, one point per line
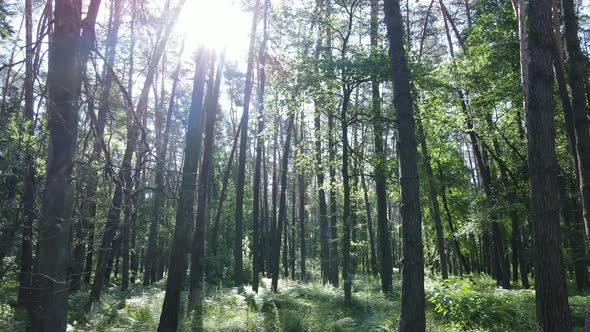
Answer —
476 304
457 304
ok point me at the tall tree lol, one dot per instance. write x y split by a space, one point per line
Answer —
28 200
241 177
257 221
64 82
380 169
412 317
282 218
551 295
577 76
185 209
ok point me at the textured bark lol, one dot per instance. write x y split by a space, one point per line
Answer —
64 82
412 316
577 75
241 177
282 218
185 210
551 294
577 245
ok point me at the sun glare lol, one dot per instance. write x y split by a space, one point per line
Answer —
216 24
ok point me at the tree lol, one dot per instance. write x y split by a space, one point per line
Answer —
241 177
551 295
185 211
412 317
385 254
64 82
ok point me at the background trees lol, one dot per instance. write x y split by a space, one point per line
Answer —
117 129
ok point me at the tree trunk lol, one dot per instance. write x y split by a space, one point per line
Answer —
551 294
196 295
380 171
241 178
333 204
185 209
123 180
302 187
64 82
412 316
577 75
256 220
373 256
282 218
28 199
433 195
160 183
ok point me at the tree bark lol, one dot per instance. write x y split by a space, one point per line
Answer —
64 83
185 209
577 76
412 316
551 294
241 178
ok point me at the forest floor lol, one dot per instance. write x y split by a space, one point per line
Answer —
459 304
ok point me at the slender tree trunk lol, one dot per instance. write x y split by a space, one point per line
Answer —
373 256
124 177
551 294
333 204
412 316
28 199
346 264
380 171
433 195
159 195
302 187
226 174
256 220
282 218
443 195
185 210
241 178
196 293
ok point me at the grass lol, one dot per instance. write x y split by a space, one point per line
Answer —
457 304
